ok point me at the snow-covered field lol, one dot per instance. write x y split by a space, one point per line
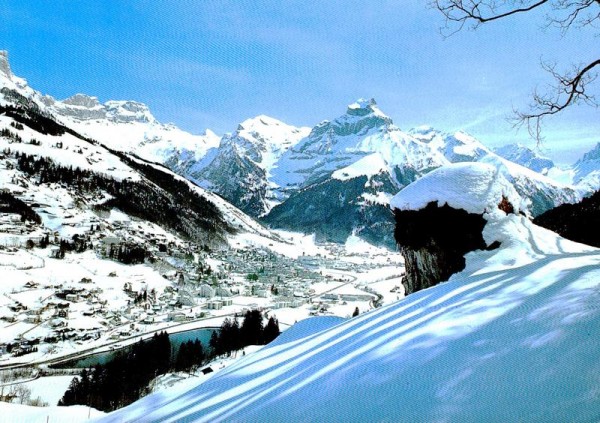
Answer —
13 413
50 389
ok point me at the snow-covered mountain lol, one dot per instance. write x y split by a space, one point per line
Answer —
240 168
45 154
510 338
525 157
340 178
334 179
583 176
129 126
586 171
126 126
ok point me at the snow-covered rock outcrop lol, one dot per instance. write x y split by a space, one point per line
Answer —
441 217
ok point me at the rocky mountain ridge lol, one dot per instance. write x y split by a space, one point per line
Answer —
275 171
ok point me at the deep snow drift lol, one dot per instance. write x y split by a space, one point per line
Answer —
514 337
473 187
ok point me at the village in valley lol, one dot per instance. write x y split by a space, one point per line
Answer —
107 280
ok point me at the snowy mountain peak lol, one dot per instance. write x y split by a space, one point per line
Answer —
362 118
261 121
82 100
593 154
363 107
4 65
266 129
263 133
525 156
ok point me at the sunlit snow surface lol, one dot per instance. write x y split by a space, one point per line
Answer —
12 413
514 337
474 187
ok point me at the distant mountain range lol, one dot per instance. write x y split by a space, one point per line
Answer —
73 165
334 179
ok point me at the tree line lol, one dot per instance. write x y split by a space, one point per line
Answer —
10 204
233 337
126 378
167 201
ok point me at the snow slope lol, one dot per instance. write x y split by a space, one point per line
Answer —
514 337
10 413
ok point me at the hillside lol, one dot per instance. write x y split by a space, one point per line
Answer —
579 222
98 244
512 337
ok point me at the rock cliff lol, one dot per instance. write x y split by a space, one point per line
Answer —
434 241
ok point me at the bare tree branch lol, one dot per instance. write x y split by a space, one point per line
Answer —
459 12
569 87
576 14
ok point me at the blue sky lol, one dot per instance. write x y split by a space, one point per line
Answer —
211 64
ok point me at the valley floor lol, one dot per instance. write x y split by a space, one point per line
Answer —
344 278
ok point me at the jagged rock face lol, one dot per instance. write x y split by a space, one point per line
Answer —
433 242
240 180
83 107
128 111
82 100
4 66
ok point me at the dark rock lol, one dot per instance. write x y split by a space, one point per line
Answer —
433 242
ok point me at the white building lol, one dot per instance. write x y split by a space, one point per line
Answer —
206 291
214 305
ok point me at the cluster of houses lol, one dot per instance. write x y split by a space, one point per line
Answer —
248 272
